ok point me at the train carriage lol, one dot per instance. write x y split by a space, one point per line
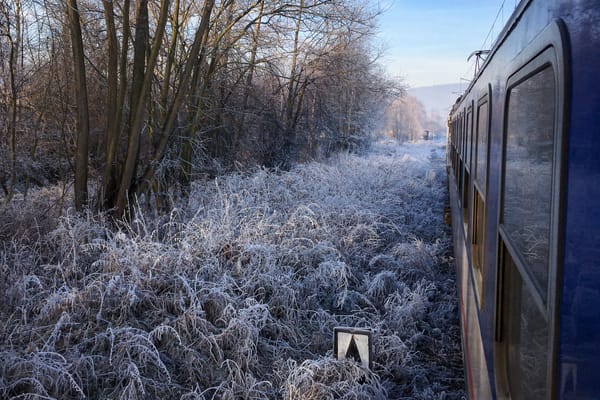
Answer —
524 180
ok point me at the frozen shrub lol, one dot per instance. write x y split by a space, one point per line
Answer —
381 286
331 379
235 293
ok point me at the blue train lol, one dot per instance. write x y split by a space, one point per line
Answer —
524 181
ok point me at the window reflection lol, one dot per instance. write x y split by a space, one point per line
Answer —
479 235
482 140
527 341
528 172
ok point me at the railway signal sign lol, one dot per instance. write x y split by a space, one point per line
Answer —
353 343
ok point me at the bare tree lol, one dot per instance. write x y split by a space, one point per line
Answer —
164 87
114 99
11 32
83 120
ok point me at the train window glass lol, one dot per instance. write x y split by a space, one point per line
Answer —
460 180
481 145
459 142
462 137
469 138
527 334
456 134
479 166
465 137
477 243
528 176
467 171
466 191
453 147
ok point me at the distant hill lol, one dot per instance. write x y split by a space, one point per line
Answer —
438 99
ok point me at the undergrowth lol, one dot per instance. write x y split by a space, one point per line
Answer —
235 294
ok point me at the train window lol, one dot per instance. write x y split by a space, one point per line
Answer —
477 241
465 136
459 175
527 337
481 145
455 149
461 132
467 166
528 174
457 122
528 228
469 144
455 138
478 235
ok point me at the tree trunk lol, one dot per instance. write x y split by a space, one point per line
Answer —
14 102
113 120
83 124
142 78
181 94
249 77
290 146
165 91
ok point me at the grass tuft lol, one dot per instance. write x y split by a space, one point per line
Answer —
235 293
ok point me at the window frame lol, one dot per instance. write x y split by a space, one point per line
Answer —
468 134
479 198
536 66
467 173
485 98
461 177
548 48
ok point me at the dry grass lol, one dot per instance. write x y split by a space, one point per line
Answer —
235 294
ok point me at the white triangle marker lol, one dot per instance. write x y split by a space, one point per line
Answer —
362 338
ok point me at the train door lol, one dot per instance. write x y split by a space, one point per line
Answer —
529 229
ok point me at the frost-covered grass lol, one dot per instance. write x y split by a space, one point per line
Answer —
235 294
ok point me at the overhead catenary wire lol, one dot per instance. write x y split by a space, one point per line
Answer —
499 14
499 19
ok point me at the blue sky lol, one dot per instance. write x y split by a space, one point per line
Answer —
427 42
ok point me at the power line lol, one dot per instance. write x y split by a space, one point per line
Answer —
489 34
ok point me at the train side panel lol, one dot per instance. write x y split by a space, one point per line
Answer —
524 173
579 354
